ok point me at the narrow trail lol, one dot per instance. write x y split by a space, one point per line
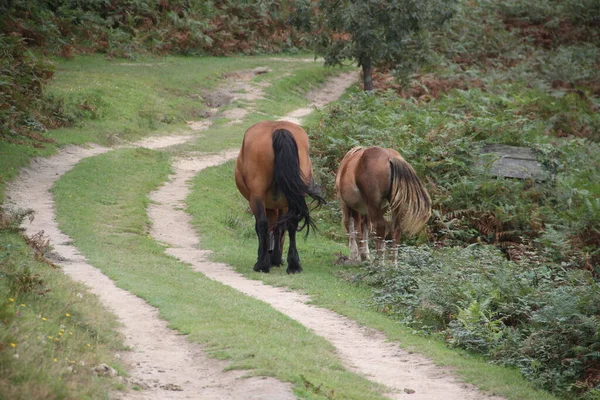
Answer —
164 364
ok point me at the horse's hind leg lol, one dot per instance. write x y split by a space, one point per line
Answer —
349 220
293 260
365 227
263 262
376 217
396 235
276 233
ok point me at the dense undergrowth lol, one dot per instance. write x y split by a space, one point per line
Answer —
511 267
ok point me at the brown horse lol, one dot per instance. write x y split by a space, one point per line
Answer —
370 181
274 173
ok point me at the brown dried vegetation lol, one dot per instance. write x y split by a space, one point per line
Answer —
425 87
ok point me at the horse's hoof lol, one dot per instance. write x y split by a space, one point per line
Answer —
276 263
294 270
259 268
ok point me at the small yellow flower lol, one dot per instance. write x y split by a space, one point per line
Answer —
89 345
60 333
68 315
43 318
11 300
23 305
50 337
70 333
57 339
13 345
55 360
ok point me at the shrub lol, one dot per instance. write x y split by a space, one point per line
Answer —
538 317
24 111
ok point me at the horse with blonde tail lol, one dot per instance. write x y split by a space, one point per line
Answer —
370 181
274 173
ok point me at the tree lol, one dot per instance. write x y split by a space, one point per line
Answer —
373 33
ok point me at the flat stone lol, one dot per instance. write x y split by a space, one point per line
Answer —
511 162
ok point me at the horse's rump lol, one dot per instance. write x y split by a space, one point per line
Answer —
290 180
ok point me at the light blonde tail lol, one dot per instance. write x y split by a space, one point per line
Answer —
409 200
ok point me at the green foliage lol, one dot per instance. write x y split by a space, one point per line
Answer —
24 111
374 33
442 141
511 80
125 28
547 11
537 317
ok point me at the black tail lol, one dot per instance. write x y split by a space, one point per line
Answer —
290 180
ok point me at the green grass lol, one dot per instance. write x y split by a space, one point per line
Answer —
110 228
112 232
132 99
53 330
226 228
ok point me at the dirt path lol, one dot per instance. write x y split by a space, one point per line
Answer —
164 363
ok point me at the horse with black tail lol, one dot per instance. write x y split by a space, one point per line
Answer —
274 173
370 181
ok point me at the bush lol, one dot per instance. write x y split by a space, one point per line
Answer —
24 110
513 265
538 317
125 28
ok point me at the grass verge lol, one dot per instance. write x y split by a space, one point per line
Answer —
53 330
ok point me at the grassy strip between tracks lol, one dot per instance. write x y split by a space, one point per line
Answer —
44 352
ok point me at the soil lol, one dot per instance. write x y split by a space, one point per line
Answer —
163 363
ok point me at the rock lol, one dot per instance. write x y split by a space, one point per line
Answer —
173 387
105 370
261 70
511 162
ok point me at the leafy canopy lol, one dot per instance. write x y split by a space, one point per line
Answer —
375 33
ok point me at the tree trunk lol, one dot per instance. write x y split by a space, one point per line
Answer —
367 70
